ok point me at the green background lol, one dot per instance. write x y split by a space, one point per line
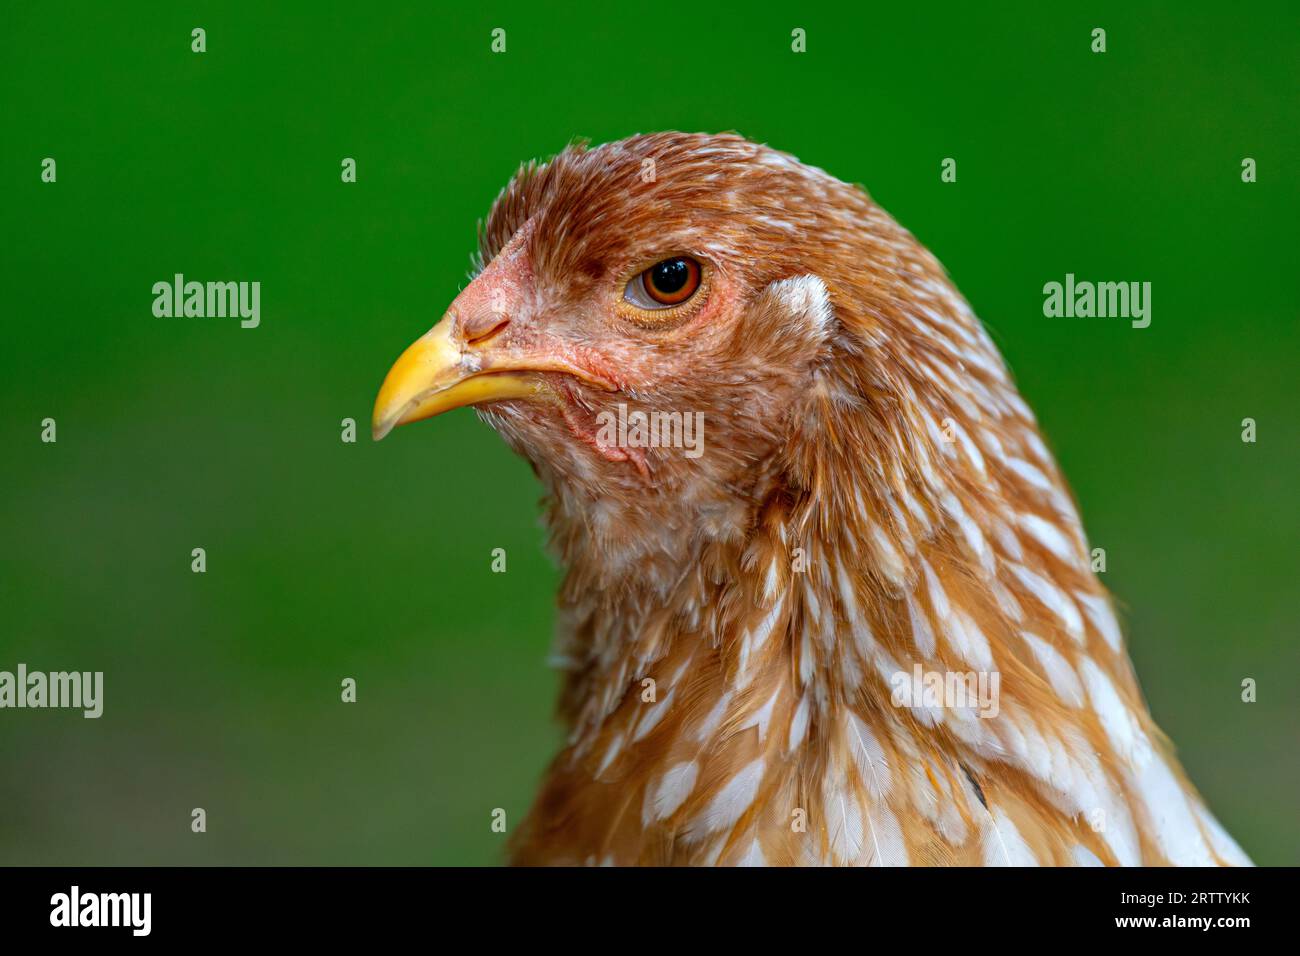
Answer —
328 560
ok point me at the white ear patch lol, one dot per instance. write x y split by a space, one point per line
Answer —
806 298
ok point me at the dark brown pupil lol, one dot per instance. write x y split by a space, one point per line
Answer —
670 276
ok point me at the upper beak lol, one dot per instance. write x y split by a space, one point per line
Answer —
438 373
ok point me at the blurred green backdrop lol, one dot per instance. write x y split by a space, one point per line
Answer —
329 560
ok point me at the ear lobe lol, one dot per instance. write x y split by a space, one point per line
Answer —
806 300
795 316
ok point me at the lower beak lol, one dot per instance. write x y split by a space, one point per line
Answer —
436 374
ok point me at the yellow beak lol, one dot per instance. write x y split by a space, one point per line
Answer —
437 374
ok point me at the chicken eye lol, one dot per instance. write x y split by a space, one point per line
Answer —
665 284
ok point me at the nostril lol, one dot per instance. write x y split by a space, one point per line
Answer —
482 326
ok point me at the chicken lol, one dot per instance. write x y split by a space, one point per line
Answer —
853 621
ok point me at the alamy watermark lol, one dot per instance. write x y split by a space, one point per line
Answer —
654 429
71 689
211 300
1102 300
75 908
969 690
